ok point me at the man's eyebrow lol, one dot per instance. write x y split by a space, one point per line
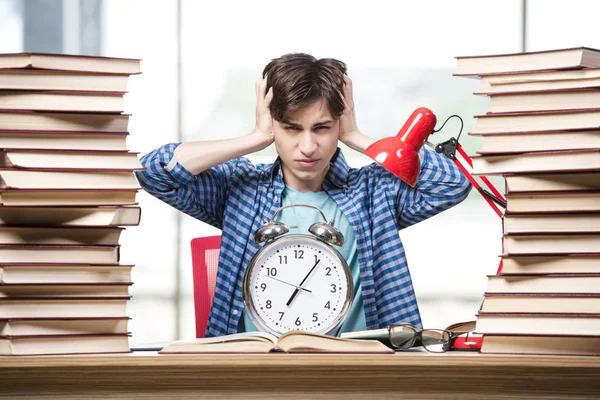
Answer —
295 125
291 124
322 123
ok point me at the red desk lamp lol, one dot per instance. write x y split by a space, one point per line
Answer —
400 155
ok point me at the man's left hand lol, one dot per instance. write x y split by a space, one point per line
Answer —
349 134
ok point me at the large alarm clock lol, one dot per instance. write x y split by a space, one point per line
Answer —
298 281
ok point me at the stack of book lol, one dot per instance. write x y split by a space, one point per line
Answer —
542 133
67 189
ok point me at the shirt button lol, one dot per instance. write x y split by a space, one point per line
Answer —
235 312
275 199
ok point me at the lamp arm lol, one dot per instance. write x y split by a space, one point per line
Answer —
493 197
399 155
489 195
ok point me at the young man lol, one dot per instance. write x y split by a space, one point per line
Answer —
305 106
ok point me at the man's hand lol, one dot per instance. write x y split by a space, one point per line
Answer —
349 132
264 121
348 127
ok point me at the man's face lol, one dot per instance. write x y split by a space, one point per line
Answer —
305 141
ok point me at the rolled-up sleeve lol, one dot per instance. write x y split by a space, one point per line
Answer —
441 185
201 196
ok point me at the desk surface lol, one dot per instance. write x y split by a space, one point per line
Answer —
404 359
286 376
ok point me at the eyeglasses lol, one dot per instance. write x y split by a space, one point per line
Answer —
405 336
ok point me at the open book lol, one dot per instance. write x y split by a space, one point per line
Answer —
289 342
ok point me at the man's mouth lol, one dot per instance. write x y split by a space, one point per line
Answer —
307 162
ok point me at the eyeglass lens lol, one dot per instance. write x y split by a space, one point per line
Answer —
402 336
433 340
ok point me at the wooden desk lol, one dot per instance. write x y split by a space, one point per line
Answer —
285 376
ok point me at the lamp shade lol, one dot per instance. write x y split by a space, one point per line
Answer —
400 154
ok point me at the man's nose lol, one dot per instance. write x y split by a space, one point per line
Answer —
308 143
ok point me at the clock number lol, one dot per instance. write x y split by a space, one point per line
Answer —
272 271
281 315
299 254
316 259
297 322
268 305
327 306
282 260
333 288
263 286
328 273
315 317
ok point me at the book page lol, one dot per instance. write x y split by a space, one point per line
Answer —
234 347
247 342
305 342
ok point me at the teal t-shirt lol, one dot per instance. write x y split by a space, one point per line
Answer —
299 219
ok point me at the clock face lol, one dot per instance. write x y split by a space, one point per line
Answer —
298 282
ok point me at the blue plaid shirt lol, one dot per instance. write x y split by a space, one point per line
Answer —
237 196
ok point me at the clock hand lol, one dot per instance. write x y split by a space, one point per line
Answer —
293 296
291 284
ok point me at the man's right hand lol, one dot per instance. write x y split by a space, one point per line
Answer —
264 121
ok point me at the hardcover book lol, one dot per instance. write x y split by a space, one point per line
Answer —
551 264
555 161
66 344
12 178
559 121
63 326
579 243
64 273
581 303
551 223
64 101
68 62
71 235
533 183
35 79
558 283
544 101
63 307
570 345
93 289
518 142
557 75
68 197
69 160
553 202
571 58
98 141
62 122
59 254
70 216
540 81
538 323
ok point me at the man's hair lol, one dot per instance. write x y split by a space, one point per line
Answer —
299 79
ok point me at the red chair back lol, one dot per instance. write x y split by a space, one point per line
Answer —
205 261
